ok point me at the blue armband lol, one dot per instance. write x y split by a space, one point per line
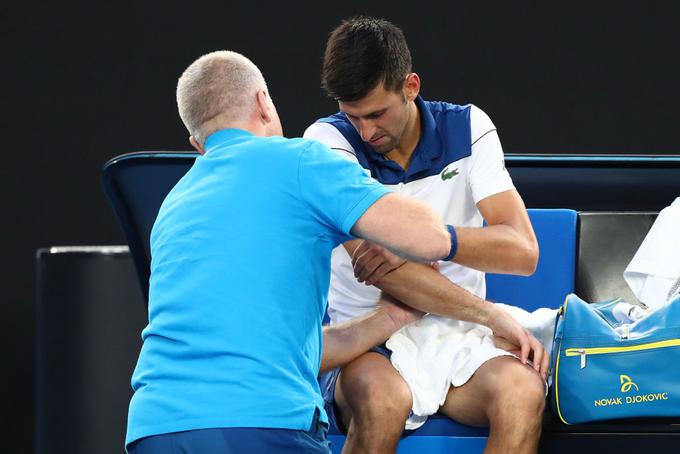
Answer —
454 243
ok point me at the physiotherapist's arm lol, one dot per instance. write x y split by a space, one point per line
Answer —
507 245
344 342
405 226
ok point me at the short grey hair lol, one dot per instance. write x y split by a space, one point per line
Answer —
222 86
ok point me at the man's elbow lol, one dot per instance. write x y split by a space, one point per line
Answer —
530 260
437 247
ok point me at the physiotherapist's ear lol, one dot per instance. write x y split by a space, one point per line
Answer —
411 86
263 106
194 143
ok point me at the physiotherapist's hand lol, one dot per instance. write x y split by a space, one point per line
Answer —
371 262
400 314
512 337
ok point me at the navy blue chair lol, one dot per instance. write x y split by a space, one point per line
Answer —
137 183
555 276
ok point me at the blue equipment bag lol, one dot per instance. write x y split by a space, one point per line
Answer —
599 373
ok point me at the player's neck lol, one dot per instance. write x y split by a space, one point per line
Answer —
403 153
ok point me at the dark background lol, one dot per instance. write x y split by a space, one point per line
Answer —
86 81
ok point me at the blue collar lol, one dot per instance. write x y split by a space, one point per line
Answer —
428 147
444 138
219 138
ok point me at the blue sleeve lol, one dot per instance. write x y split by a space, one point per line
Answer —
337 190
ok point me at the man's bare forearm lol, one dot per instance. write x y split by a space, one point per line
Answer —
507 245
425 289
344 342
496 249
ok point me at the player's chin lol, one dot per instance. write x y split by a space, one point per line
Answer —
382 148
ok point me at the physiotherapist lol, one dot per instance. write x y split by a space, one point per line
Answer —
240 263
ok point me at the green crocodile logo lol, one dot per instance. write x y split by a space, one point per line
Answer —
448 175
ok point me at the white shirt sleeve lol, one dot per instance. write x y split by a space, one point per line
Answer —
329 135
487 174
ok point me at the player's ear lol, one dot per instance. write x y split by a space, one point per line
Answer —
411 86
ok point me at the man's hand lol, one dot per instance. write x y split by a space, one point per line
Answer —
371 262
512 337
400 314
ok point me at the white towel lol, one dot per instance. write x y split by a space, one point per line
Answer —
436 352
626 313
655 268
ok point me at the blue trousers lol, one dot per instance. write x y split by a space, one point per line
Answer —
237 441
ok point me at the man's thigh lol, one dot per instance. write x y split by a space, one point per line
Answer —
469 404
369 380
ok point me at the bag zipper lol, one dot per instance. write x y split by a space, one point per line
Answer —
583 352
562 312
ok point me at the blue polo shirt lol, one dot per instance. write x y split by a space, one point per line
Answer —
239 276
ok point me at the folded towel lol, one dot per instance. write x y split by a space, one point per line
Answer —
435 353
655 268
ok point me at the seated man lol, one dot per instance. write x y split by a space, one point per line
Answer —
232 350
451 157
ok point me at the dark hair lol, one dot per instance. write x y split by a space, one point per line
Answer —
362 52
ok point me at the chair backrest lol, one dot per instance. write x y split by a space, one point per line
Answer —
595 183
136 185
555 277
607 244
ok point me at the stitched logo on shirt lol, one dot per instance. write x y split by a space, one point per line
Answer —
448 175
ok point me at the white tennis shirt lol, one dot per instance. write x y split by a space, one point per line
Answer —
458 162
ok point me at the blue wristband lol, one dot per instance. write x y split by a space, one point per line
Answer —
454 243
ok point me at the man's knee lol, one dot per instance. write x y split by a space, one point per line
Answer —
518 391
375 391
